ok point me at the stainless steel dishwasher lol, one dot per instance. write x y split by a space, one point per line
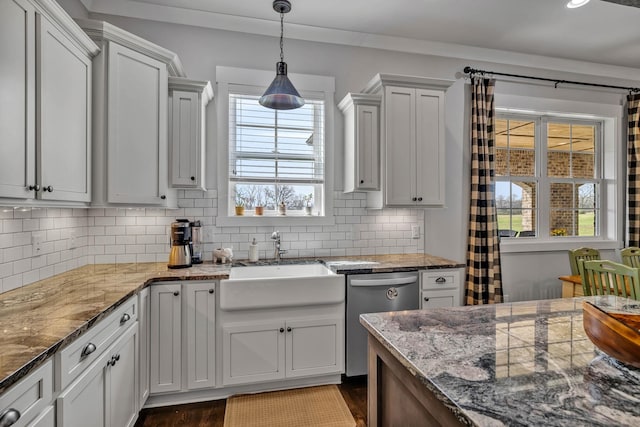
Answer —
373 293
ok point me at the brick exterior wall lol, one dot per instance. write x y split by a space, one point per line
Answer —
559 164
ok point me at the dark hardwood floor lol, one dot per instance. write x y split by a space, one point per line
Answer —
211 414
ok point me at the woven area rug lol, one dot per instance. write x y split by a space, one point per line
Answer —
321 406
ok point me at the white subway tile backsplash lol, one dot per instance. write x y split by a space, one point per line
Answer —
107 235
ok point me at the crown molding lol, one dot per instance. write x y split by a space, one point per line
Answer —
380 80
54 12
359 99
103 31
189 85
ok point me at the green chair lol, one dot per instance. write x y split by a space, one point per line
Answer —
585 254
631 256
603 277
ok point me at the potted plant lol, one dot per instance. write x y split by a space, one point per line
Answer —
239 205
308 204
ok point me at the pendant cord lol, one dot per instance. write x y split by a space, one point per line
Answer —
281 36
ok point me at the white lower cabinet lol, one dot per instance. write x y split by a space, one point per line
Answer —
28 399
47 418
144 305
182 333
105 393
441 288
272 350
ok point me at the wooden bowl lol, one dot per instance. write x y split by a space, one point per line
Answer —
616 334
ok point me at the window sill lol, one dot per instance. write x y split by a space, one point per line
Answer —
251 220
516 245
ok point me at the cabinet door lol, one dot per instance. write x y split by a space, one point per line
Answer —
83 401
143 333
400 146
367 147
430 147
200 326
185 139
122 381
64 117
47 418
137 129
165 358
437 299
17 99
314 347
253 352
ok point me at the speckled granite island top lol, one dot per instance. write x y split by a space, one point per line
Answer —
38 319
517 364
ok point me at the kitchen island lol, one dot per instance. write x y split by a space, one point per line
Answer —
527 363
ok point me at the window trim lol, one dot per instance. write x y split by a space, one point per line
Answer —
612 173
319 87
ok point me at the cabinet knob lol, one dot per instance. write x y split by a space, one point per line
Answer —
163 197
117 357
176 293
34 187
281 330
426 299
125 318
88 349
362 181
193 178
414 199
288 328
210 291
9 417
419 199
48 188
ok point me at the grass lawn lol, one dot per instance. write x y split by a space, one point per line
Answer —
585 223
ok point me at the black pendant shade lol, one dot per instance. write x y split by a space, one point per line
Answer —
281 95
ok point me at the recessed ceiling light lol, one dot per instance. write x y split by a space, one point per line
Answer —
576 3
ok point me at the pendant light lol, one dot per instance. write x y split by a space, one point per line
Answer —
281 95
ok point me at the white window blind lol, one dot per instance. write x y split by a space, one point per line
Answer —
276 155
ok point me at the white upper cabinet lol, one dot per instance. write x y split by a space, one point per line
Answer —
412 139
45 107
361 141
130 162
188 100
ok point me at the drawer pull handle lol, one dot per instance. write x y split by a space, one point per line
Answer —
441 280
9 417
88 349
125 318
426 299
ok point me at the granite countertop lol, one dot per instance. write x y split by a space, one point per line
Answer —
38 319
528 363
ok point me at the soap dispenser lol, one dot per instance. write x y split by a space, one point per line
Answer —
253 251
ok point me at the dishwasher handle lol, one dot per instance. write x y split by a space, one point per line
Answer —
384 282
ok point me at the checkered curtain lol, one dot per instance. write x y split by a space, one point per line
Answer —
484 283
633 169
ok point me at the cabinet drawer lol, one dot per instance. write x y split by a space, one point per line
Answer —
441 279
29 397
74 358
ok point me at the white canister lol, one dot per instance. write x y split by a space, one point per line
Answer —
253 251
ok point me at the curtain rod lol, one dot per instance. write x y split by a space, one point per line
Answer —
472 71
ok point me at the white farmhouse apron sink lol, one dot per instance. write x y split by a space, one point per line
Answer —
271 286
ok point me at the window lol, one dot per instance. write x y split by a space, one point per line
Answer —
548 176
276 157
267 156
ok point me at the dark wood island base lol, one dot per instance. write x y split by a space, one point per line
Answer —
398 398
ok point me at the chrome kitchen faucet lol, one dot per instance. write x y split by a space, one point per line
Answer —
275 236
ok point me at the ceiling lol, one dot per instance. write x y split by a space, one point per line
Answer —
601 32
